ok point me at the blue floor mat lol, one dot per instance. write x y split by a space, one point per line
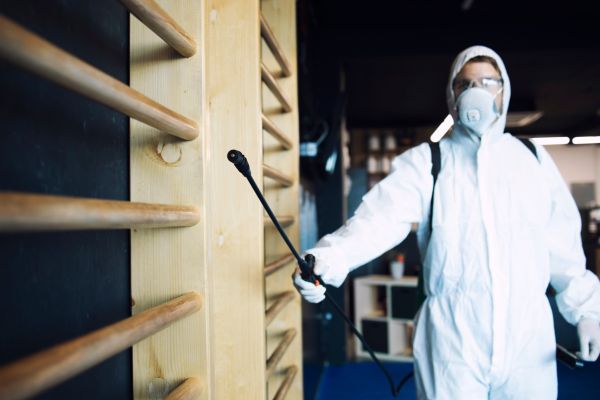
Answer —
364 381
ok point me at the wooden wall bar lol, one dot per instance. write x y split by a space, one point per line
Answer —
270 127
34 374
166 170
161 23
25 212
190 389
281 17
271 40
39 56
235 227
272 84
290 374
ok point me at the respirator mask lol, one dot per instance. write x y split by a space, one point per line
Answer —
476 105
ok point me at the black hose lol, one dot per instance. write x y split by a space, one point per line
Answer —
306 266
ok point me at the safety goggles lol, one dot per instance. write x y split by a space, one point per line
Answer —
492 85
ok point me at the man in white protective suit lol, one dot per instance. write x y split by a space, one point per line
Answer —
504 226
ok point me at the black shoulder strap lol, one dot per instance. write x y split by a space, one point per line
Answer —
436 165
529 144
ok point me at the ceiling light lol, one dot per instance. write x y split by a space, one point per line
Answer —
586 140
552 140
441 130
518 119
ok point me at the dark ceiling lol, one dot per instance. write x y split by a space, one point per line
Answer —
396 57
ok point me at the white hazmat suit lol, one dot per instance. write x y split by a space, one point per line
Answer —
504 227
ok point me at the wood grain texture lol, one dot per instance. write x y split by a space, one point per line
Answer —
235 232
161 23
284 221
190 389
167 262
288 379
276 50
26 212
277 91
279 263
278 176
34 374
281 17
277 133
39 56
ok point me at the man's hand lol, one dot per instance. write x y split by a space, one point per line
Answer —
311 292
589 339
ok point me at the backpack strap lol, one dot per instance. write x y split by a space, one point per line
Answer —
529 144
436 165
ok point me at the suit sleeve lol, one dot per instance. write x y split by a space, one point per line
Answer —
382 220
578 289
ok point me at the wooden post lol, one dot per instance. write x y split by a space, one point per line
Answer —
161 23
21 212
162 169
235 227
34 374
39 56
281 17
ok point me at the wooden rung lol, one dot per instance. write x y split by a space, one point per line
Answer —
278 176
31 375
279 352
267 34
272 84
284 220
277 133
278 264
21 212
31 52
277 306
161 23
190 389
290 374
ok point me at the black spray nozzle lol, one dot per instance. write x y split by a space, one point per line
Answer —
240 161
306 267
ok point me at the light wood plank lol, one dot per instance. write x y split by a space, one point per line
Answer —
161 23
235 227
33 53
27 212
32 375
284 221
166 170
281 15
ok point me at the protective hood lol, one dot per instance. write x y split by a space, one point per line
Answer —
497 128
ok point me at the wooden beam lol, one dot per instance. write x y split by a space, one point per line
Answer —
277 133
31 52
161 23
32 375
190 389
278 264
276 356
235 229
277 175
166 170
277 306
20 212
290 374
271 40
272 84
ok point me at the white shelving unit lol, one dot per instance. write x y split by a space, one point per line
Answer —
384 309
